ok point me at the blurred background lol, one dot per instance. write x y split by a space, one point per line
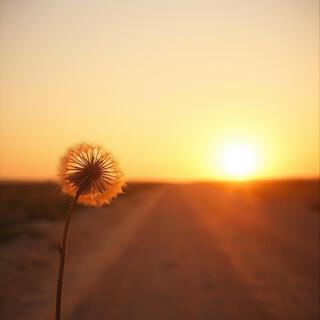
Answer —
212 109
164 85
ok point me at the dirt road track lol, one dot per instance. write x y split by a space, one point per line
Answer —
203 253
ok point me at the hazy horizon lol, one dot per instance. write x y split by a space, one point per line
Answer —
177 181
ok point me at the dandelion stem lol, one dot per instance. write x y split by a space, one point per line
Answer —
62 252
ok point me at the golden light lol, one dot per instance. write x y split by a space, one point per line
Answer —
238 161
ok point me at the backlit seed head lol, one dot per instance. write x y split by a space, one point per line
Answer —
92 173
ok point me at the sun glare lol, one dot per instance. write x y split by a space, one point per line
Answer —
238 161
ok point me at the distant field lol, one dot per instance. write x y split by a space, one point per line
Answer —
21 203
306 191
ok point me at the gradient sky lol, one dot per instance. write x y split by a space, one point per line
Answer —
162 84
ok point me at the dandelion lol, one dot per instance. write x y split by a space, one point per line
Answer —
91 173
92 177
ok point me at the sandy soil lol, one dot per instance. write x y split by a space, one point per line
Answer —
173 252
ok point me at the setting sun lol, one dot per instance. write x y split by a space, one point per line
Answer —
238 161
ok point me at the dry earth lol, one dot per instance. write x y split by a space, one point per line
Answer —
195 251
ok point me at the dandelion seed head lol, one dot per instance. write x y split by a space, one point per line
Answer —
91 172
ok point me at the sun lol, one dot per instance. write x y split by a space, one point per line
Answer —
238 161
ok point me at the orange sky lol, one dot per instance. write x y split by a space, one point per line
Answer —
165 85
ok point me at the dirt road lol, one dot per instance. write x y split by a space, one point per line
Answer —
194 252
207 254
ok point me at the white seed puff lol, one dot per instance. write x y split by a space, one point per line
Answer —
92 173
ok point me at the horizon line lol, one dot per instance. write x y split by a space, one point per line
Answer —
173 181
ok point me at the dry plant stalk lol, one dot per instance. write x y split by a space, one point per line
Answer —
92 177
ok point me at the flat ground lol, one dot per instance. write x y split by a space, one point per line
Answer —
193 251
